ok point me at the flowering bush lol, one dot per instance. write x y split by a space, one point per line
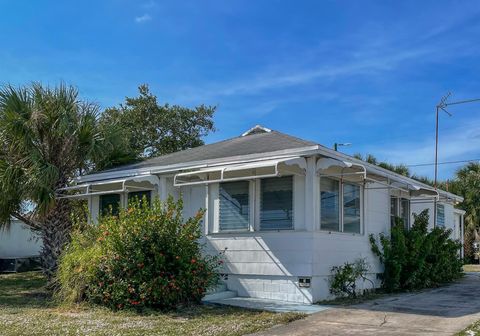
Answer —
148 257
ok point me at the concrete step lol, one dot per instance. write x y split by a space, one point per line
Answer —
270 305
219 296
221 287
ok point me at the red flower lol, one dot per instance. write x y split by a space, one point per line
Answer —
193 261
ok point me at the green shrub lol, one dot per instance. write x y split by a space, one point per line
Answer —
343 279
78 265
148 256
417 258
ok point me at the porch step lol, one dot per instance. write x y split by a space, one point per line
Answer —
226 294
221 287
270 305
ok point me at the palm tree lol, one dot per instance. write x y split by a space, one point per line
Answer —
467 185
47 137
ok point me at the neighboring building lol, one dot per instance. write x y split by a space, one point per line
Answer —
18 246
283 209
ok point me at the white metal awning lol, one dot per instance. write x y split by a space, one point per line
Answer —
244 171
357 172
330 167
416 190
134 183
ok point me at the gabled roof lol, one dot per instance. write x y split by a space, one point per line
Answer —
258 143
254 141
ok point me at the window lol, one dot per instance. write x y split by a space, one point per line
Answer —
393 210
276 203
140 196
340 206
110 204
351 208
400 208
405 212
330 204
234 206
440 215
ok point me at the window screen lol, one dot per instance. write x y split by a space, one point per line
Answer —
330 204
405 212
276 203
140 195
440 215
234 206
351 208
393 210
110 204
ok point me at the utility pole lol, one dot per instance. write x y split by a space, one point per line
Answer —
442 105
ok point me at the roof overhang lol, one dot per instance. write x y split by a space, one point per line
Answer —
114 186
245 171
373 173
173 168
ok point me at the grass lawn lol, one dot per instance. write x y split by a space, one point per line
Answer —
25 309
472 330
471 268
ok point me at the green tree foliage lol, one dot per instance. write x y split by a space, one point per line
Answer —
148 256
48 137
417 258
467 185
399 169
153 129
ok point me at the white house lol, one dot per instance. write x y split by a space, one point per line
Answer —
17 242
284 210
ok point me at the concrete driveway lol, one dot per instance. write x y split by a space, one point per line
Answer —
440 311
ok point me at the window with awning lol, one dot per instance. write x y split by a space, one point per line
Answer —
140 196
244 171
110 204
276 203
234 213
340 206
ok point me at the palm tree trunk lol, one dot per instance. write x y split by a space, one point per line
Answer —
55 234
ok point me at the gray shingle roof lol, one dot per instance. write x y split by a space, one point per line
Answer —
253 143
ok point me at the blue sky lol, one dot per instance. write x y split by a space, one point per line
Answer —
364 72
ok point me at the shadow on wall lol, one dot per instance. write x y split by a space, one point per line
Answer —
272 265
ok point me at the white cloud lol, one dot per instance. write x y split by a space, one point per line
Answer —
369 64
143 18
